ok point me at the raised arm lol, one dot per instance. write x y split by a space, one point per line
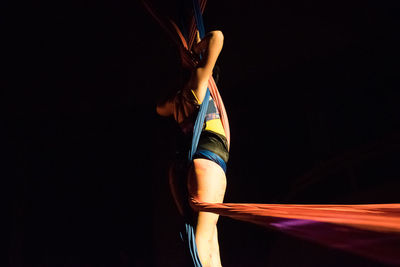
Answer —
210 47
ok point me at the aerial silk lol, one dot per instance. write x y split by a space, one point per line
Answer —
369 230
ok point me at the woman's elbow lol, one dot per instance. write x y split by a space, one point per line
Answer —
163 110
160 110
217 35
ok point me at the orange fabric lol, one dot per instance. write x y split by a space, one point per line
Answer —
179 34
375 217
371 231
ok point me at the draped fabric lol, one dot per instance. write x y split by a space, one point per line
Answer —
371 230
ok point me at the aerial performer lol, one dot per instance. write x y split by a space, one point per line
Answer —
206 180
197 178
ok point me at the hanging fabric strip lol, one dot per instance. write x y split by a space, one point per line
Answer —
193 28
164 23
211 83
188 238
198 125
199 18
197 129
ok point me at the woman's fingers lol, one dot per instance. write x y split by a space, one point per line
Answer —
196 47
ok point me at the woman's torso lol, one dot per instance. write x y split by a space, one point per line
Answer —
213 135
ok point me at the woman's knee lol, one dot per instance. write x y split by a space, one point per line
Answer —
206 224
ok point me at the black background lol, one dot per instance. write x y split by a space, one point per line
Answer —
311 89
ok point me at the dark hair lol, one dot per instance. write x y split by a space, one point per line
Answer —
184 78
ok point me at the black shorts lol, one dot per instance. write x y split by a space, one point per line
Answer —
215 143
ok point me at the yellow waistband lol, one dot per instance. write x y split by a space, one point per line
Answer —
215 126
212 125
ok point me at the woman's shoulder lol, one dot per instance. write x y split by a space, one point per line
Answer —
187 98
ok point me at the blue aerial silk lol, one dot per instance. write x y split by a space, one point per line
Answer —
198 125
189 236
206 154
199 18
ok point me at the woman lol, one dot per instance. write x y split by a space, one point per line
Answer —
206 180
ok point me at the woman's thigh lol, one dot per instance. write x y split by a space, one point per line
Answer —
207 181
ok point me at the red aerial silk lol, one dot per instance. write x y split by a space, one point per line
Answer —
371 230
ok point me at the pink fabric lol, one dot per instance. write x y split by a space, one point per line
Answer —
221 108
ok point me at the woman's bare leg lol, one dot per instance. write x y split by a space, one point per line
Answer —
207 183
215 256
